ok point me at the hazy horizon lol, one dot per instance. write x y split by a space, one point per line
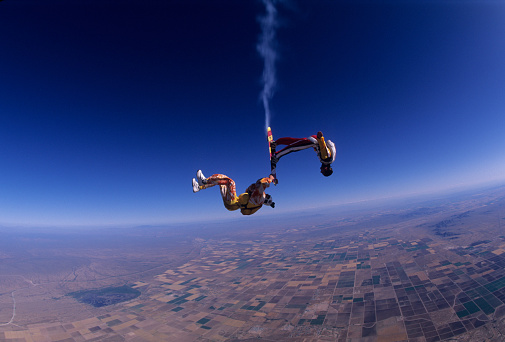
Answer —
277 216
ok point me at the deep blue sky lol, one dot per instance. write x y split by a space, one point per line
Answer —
108 108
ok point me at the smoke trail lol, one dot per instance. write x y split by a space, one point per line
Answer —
266 48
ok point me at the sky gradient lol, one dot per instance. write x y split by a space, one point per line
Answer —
107 110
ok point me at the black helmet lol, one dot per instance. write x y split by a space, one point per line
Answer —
326 170
268 201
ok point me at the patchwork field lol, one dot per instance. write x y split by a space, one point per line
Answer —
426 270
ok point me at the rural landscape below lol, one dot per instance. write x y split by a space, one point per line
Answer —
420 269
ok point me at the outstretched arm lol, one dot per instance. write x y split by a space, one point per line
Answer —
273 179
333 151
325 149
261 184
265 182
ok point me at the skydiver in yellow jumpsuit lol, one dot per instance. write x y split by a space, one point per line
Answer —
248 203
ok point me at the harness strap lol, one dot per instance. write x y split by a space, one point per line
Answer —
245 206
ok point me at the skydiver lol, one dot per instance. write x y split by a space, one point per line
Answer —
325 150
248 203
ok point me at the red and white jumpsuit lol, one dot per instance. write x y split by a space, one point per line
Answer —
298 144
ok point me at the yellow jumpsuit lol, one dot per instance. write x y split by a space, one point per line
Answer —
248 202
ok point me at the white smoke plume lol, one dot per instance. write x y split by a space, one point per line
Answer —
267 49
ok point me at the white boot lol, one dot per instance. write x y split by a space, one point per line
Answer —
196 186
201 178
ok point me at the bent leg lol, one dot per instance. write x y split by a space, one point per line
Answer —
226 186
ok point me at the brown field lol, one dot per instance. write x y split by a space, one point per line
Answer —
419 270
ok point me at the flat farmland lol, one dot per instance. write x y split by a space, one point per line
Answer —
425 270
